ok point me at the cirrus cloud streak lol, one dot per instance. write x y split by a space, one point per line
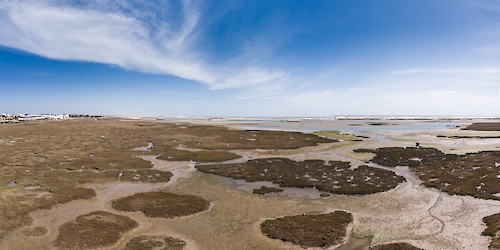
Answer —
64 31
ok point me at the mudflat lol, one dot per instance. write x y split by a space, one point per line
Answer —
108 176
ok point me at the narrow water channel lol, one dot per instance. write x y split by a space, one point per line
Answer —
355 243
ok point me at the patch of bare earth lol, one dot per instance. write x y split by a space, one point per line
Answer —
474 174
334 177
493 230
322 230
93 230
162 204
150 242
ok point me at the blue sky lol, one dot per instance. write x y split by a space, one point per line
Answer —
250 58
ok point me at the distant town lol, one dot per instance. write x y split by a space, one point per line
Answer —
14 118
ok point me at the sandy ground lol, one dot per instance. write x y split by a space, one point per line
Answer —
409 213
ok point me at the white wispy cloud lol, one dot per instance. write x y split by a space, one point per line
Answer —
60 30
393 100
248 77
447 71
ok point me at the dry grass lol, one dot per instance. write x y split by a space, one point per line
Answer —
474 174
335 177
493 230
93 230
162 204
172 154
148 242
322 230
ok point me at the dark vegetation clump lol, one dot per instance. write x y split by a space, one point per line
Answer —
322 230
493 230
334 177
469 136
395 246
474 174
161 204
378 123
151 242
172 154
266 190
93 230
484 126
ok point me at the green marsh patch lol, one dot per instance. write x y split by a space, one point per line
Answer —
150 242
322 230
161 204
172 154
93 230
